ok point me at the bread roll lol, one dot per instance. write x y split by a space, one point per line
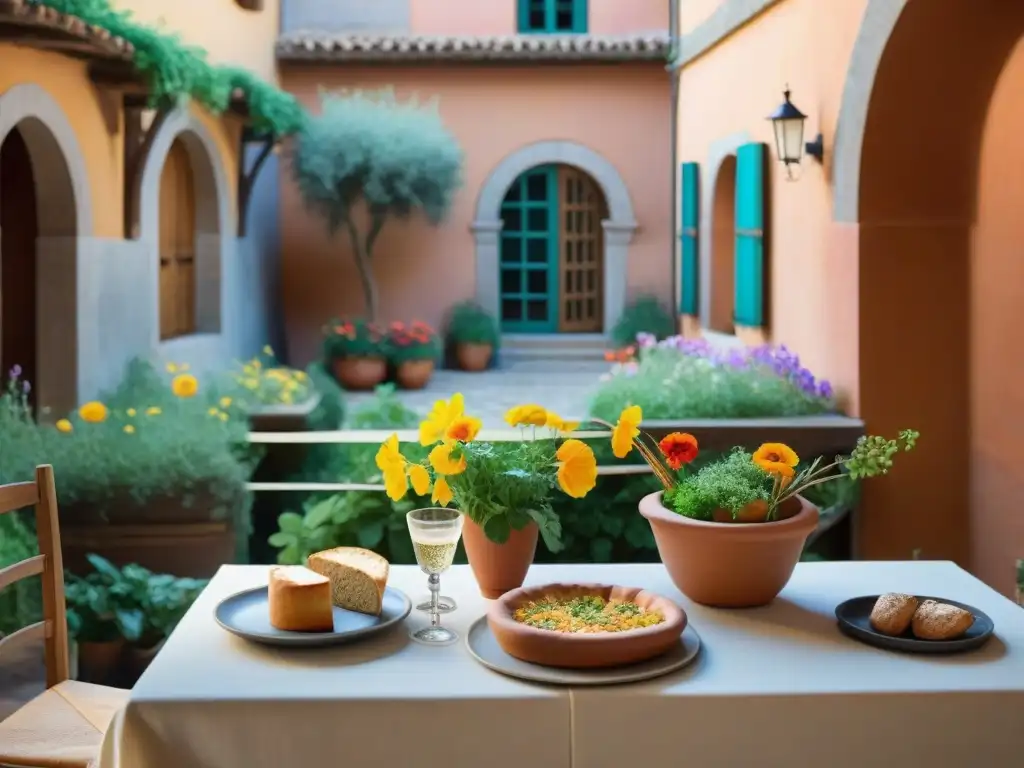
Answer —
358 577
893 613
299 600
940 621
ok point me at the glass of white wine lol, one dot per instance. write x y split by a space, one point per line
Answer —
435 536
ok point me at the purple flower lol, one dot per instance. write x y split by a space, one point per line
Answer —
15 371
26 387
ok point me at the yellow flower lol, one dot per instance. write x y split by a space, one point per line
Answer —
94 412
250 383
172 368
420 479
130 412
129 429
225 402
395 482
213 411
286 397
627 429
222 416
443 463
577 470
184 385
390 454
776 459
440 418
464 429
526 415
63 425
556 422
154 411
300 375
442 492
268 351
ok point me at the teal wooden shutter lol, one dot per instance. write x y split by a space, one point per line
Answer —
689 268
749 253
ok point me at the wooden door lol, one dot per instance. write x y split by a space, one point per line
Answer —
177 245
18 233
581 253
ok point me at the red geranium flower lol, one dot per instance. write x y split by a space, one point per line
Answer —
679 448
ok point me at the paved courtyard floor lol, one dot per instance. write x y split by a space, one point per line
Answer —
564 387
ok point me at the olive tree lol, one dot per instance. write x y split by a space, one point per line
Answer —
368 158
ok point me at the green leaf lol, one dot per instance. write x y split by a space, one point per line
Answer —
130 623
638 533
289 522
601 550
613 523
290 555
281 539
497 529
371 534
321 513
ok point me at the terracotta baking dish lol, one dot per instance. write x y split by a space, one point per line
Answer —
584 650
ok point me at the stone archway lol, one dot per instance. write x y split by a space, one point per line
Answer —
212 233
618 228
64 221
908 144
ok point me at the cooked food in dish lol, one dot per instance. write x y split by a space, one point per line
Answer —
358 577
585 614
893 613
299 600
940 621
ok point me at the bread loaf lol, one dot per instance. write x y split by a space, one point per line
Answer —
940 621
299 600
893 613
358 577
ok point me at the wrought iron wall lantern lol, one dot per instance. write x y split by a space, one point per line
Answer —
788 122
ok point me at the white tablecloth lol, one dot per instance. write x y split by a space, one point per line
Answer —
774 686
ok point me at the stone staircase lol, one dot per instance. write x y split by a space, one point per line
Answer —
560 347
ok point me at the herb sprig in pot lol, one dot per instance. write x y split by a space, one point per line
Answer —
473 332
731 533
502 489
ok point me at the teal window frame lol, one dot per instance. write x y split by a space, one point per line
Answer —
749 280
528 11
514 251
689 247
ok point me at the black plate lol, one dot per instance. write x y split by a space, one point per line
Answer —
854 620
247 614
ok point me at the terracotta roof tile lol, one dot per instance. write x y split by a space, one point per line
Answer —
325 47
33 15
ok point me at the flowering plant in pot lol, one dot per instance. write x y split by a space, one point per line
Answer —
473 333
731 533
356 352
502 489
413 350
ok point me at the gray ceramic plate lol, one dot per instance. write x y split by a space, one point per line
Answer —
483 647
247 615
854 617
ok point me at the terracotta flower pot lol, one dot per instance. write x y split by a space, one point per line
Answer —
359 373
414 374
99 662
473 357
729 564
139 659
499 568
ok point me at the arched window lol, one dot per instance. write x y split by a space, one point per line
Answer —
177 244
552 16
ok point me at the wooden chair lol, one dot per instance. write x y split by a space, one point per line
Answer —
63 727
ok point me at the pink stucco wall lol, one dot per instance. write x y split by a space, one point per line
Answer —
621 112
498 17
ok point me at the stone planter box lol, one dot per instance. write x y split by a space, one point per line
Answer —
284 417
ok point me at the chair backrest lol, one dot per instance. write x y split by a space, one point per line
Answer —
53 629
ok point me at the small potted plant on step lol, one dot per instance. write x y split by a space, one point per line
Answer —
413 350
503 490
93 626
473 334
731 534
355 351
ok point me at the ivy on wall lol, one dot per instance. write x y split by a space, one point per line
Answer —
176 72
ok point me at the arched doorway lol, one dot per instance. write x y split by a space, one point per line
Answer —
911 184
177 244
723 247
19 229
551 276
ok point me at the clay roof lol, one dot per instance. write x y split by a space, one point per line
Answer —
38 26
323 47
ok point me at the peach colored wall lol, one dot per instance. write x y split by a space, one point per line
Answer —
498 17
997 315
692 13
621 112
228 32
730 90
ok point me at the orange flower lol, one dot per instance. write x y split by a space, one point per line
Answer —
776 459
678 448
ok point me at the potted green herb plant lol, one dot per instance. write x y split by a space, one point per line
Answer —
93 626
355 351
473 333
413 350
503 490
731 534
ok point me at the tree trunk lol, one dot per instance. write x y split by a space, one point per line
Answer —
362 256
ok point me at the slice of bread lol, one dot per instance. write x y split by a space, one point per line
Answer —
893 613
299 600
358 577
940 621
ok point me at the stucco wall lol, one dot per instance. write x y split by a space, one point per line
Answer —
619 112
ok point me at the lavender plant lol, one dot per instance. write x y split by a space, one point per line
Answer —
679 378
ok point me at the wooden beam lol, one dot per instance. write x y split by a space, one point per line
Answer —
137 143
247 178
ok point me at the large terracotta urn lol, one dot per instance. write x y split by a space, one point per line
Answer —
499 568
740 562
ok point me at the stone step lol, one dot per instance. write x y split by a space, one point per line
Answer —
574 347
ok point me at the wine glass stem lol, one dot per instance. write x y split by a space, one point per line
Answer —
434 582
